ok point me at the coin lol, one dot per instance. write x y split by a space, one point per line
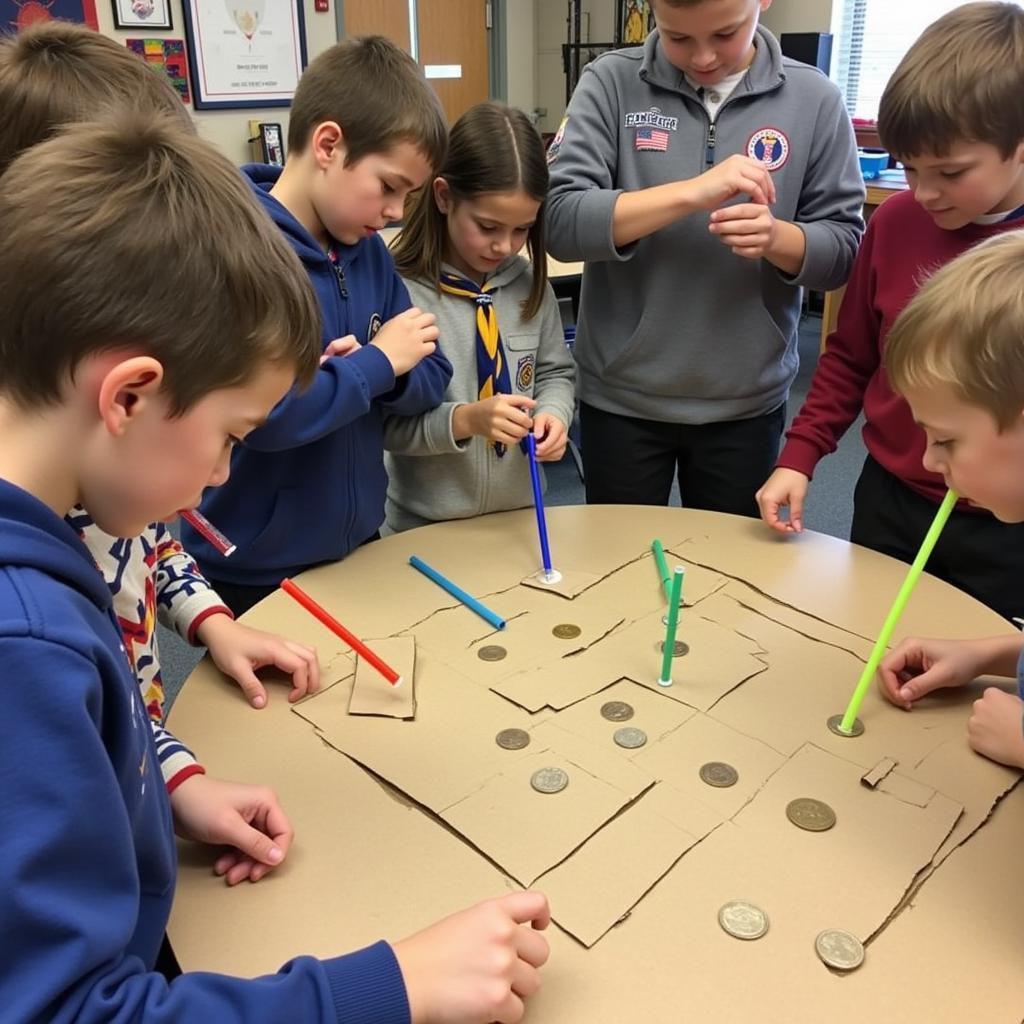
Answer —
718 774
549 780
743 920
836 721
617 711
630 738
512 739
839 949
491 652
809 814
679 648
567 631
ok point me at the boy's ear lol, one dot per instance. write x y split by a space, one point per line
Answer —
126 389
442 195
327 140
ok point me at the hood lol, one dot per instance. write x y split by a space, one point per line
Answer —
32 536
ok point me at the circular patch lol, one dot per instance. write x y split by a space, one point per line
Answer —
373 326
770 147
524 373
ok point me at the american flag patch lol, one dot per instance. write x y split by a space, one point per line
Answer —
651 138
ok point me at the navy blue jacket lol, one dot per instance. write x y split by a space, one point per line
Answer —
87 853
309 486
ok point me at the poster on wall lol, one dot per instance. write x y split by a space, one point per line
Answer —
167 56
18 14
244 54
636 20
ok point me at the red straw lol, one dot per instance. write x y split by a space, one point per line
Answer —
336 627
202 525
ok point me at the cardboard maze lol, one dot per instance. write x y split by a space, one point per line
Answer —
759 680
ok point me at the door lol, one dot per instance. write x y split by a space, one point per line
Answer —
378 18
454 51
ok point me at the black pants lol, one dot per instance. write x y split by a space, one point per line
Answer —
627 460
976 553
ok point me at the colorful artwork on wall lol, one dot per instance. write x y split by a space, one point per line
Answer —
167 56
18 14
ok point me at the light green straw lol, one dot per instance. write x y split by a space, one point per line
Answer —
662 566
670 632
882 643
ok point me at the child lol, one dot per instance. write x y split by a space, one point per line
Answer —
53 74
706 180
956 355
512 373
952 113
87 855
308 487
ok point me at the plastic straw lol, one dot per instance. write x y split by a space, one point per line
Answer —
457 592
538 503
882 643
662 566
670 631
202 525
364 652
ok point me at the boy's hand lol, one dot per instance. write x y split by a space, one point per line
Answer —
735 176
239 650
995 729
247 818
916 667
748 229
552 436
785 488
479 965
407 339
340 347
504 418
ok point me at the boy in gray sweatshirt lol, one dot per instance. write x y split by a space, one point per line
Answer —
705 180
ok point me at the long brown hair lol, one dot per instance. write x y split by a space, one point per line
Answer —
492 148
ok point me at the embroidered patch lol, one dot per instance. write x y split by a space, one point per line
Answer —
652 118
651 140
556 142
524 372
373 327
770 147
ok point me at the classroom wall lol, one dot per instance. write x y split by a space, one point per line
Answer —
521 43
799 16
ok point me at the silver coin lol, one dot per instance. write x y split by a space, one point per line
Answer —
492 652
835 725
810 815
630 738
512 739
743 920
617 711
839 949
567 631
719 774
549 780
679 648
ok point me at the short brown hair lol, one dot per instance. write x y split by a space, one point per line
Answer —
56 73
964 329
962 80
376 93
137 234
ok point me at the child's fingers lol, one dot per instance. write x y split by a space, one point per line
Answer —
308 655
254 691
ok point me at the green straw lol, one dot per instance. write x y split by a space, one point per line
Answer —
882 643
662 565
670 632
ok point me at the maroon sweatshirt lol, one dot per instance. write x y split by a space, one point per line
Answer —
902 246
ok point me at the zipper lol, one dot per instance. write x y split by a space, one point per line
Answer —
709 144
339 272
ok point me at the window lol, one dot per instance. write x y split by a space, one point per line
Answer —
873 36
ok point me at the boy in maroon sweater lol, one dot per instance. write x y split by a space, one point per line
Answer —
952 113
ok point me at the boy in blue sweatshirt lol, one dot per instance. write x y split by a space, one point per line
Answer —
309 486
87 850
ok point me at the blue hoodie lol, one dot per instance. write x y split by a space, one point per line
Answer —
87 854
309 485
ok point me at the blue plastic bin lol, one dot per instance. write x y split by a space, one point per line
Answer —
872 162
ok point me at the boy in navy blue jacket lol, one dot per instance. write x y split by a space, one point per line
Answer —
308 487
87 851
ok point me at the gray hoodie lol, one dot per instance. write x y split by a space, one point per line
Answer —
467 478
675 327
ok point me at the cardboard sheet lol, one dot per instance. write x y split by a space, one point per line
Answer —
372 694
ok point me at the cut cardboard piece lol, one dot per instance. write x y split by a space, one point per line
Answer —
598 885
527 832
569 583
372 694
877 774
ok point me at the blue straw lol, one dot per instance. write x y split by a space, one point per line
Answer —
457 592
538 502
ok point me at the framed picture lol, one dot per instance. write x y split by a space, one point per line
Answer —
245 54
636 20
18 14
142 13
167 56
